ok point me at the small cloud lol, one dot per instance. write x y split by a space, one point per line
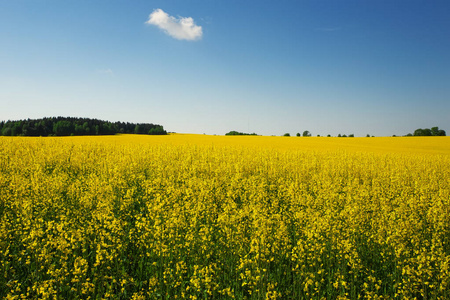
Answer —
179 28
106 72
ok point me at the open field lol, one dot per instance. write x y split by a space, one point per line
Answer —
215 217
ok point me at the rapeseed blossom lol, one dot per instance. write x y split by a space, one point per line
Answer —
206 217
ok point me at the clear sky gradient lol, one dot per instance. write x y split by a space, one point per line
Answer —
368 66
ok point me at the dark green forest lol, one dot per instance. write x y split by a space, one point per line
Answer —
68 126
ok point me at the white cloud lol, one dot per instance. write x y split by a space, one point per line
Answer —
180 28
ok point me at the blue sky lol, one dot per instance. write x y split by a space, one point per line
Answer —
270 67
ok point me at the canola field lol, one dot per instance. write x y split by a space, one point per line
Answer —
214 217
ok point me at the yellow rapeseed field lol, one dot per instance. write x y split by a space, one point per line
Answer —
224 217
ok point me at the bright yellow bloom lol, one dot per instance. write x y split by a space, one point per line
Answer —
210 217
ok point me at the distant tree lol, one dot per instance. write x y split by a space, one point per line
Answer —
158 130
351 135
328 135
298 134
318 135
427 132
16 129
344 135
434 131
26 129
63 128
6 131
86 129
306 133
422 132
79 130
368 135
286 134
233 132
409 134
339 135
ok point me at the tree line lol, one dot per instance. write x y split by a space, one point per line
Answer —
233 132
434 131
67 126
